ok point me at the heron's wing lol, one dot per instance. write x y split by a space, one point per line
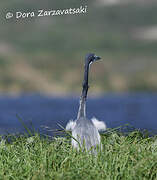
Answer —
70 125
100 125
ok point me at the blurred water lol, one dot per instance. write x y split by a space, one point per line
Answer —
138 110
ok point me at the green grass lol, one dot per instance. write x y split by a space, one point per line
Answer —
123 157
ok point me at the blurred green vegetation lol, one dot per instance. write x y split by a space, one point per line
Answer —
46 54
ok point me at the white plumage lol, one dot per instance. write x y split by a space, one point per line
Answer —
86 132
100 125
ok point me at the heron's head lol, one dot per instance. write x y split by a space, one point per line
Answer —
91 57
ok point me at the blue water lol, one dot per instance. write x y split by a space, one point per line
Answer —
137 110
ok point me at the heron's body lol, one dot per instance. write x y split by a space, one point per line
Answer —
85 131
86 134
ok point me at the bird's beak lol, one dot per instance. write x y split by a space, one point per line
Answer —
96 58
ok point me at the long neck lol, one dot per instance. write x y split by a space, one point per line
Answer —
82 107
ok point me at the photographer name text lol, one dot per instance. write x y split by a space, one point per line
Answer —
46 13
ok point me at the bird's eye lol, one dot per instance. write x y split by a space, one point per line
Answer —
96 58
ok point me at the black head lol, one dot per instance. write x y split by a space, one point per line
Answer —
91 57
